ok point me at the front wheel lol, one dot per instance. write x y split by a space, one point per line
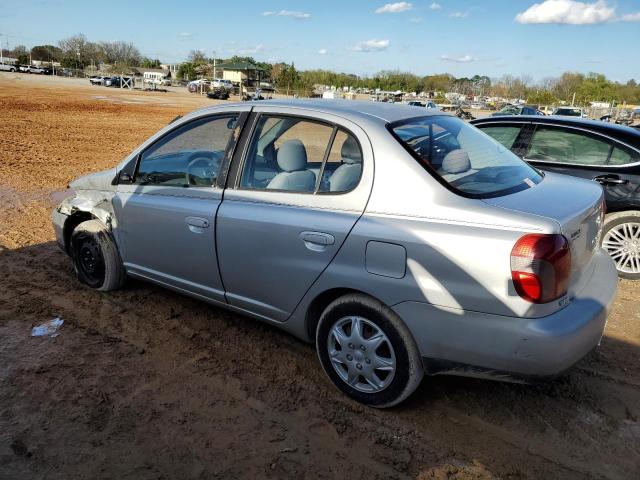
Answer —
95 257
367 351
621 239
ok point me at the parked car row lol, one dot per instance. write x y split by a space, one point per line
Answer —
7 67
400 241
110 81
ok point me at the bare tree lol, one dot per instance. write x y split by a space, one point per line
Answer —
120 53
197 56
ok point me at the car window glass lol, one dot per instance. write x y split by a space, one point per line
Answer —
503 134
344 164
191 155
565 146
623 156
465 158
286 153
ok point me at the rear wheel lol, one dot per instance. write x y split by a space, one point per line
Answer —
367 352
621 239
95 257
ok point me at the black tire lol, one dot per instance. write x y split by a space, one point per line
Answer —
408 371
95 257
615 220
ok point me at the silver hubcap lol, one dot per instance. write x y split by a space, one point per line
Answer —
623 244
361 354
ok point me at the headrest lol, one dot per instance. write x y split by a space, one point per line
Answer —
456 161
292 156
350 151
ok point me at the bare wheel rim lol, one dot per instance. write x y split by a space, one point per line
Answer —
622 242
361 354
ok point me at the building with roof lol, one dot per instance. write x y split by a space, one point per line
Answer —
246 73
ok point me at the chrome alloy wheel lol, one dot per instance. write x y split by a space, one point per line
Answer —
361 354
622 243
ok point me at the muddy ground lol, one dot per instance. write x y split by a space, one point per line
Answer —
147 384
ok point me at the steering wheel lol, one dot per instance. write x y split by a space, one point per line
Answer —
202 169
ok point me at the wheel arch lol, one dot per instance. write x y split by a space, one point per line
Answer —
322 301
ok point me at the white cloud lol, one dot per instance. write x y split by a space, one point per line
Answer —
322 51
287 13
371 46
570 12
395 7
252 51
435 6
631 17
185 34
459 14
415 20
463 59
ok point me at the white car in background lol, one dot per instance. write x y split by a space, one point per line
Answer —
5 67
219 83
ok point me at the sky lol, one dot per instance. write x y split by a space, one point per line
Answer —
540 38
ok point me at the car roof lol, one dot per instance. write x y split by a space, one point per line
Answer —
620 132
387 112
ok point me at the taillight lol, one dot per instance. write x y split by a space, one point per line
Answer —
541 267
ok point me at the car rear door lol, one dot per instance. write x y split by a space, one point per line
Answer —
284 217
585 154
166 204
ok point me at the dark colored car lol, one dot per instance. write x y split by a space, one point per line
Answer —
604 152
218 94
569 112
517 110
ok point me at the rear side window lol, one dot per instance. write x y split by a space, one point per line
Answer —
343 168
301 156
567 146
190 155
463 157
504 134
623 156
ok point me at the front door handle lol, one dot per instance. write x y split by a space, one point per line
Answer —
317 241
197 222
610 180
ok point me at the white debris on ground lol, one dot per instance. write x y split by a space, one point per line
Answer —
48 329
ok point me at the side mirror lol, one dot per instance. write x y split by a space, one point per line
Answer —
231 124
125 178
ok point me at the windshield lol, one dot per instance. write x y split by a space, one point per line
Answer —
511 109
464 158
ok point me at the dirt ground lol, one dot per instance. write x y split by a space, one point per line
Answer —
147 384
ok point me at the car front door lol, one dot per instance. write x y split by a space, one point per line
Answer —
166 205
580 153
291 200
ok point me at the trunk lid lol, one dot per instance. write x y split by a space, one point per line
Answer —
576 205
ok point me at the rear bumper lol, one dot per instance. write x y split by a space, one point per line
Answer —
510 345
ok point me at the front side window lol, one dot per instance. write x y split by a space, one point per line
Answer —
190 155
465 158
288 154
551 144
506 135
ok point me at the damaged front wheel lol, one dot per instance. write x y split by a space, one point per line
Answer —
95 257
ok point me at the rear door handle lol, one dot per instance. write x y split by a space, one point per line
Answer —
317 241
197 222
611 180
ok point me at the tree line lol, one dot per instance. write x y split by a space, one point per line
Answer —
78 52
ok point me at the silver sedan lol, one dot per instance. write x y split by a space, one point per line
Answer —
402 241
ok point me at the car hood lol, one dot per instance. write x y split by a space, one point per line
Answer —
96 181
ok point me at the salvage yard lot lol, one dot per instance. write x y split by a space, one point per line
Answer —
145 383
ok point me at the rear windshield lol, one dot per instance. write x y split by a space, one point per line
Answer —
464 158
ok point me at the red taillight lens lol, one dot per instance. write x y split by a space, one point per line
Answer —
541 267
